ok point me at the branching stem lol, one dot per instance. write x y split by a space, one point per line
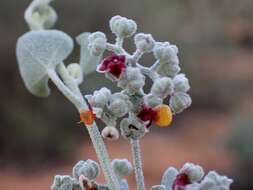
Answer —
73 94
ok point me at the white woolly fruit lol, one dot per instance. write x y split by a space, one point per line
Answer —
122 27
166 52
97 43
144 42
179 101
122 167
110 133
194 172
181 83
76 72
162 87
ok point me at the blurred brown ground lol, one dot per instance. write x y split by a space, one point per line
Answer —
39 140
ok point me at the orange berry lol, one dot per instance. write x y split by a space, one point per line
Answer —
164 115
87 117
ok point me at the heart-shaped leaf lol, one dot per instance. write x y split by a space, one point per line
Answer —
38 51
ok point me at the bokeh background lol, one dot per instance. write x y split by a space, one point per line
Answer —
41 137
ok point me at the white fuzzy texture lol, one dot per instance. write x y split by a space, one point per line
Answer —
152 100
166 52
162 87
40 15
38 51
100 97
97 43
62 183
132 80
194 172
88 62
212 181
122 27
179 101
158 187
167 69
87 168
168 177
75 71
119 104
181 83
144 42
122 167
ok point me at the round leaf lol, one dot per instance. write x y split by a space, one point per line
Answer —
38 51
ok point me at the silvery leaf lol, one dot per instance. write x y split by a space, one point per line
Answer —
38 51
88 62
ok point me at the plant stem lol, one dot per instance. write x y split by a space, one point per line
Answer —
93 131
103 156
64 89
136 154
68 80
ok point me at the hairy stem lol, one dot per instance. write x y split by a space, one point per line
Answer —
136 154
68 80
64 89
93 131
103 157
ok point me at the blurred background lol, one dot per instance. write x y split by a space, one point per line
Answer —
41 137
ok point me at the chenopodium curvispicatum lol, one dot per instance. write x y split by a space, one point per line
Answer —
130 112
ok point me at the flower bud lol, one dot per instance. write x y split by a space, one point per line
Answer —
194 172
97 43
179 102
101 97
88 169
162 87
75 71
132 80
119 105
165 52
152 100
181 83
215 181
62 183
144 42
122 27
169 70
110 133
132 128
122 167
